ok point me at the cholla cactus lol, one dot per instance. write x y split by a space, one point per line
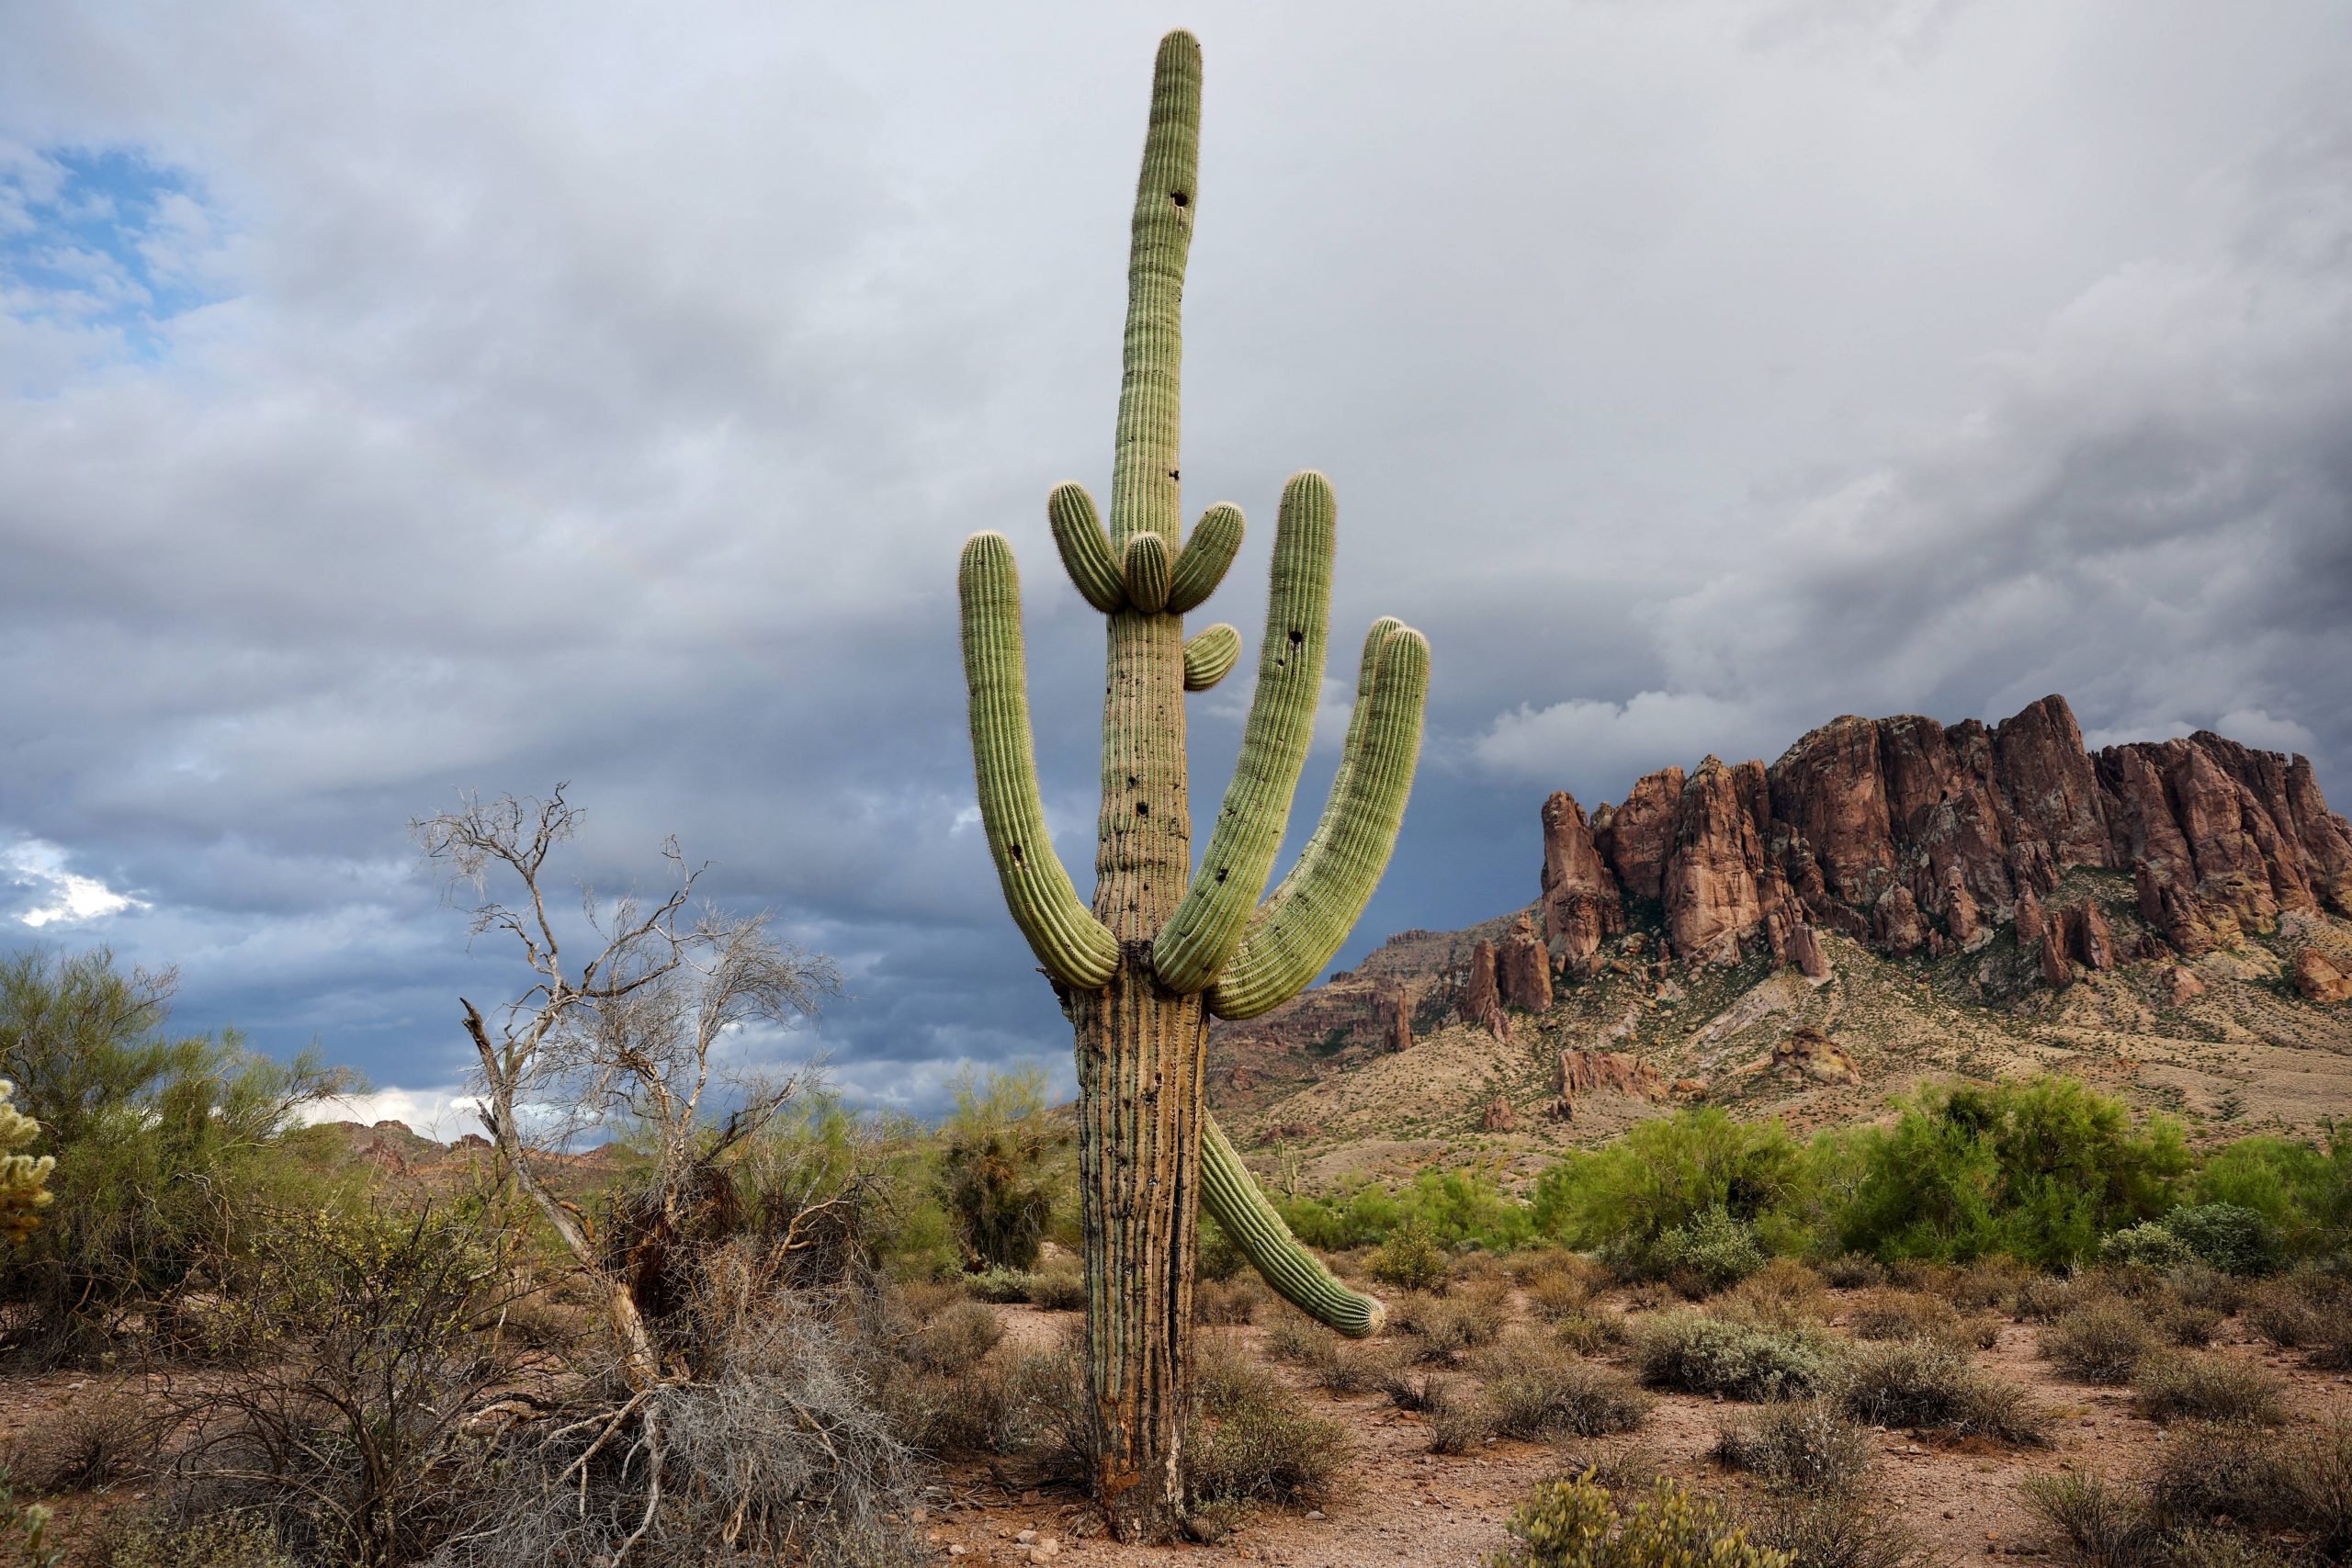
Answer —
1165 945
24 1179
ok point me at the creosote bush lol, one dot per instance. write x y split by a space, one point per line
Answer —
1537 1390
1411 1260
1927 1385
1797 1443
1576 1523
2174 1387
2102 1341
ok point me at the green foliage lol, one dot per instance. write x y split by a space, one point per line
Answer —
1410 1259
1711 1251
24 1528
1452 1206
2303 1189
2151 1244
1670 1173
233 1541
164 1146
2227 1236
1696 1352
994 1174
2040 1169
1576 1524
24 1179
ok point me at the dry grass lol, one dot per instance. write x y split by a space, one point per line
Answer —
2102 1341
1537 1390
1927 1385
2174 1387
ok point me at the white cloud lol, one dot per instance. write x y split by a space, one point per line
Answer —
64 897
1583 739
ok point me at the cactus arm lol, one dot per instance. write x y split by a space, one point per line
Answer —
1146 573
1216 539
1297 1276
1206 926
1210 656
1076 948
1302 926
1085 552
1144 489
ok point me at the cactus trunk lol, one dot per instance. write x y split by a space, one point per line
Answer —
1164 945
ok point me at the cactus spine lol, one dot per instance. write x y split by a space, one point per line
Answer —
1164 946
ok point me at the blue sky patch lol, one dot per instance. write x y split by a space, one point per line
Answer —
102 241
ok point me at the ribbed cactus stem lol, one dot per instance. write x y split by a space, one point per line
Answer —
1144 480
1302 926
1076 948
1296 1275
1210 656
1085 552
1206 927
1146 573
1216 539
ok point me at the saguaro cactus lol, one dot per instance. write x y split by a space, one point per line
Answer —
1165 945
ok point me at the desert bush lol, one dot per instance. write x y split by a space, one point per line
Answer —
1353 1368
1555 1295
1411 1260
1575 1523
1929 1386
1217 1257
1444 1327
2101 1342
2208 1388
1042 1422
1981 1284
1797 1443
955 1338
1590 1332
99 1437
1452 1206
2098 1523
2040 1169
1853 1271
223 1541
1415 1386
1003 1286
1833 1528
2187 1325
1705 1253
166 1148
2225 1236
1061 1289
1536 1390
1263 1447
1461 1426
2048 1297
1299 1340
2302 1189
2148 1244
1783 1293
1698 1353
1904 1315
1223 1304
2197 1285
1667 1173
2306 1311
995 1176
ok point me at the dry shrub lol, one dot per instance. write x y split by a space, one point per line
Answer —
1445 1327
2174 1387
2188 1325
1699 1353
2198 1285
1557 1293
1354 1368
1252 1441
1904 1315
100 1437
1461 1426
1797 1443
1833 1528
1989 1284
2101 1342
1537 1390
1228 1303
1058 1289
1588 1332
1783 1294
2223 1495
1929 1386
2099 1524
1300 1340
1477 1267
1425 1389
2306 1310
1853 1271
222 1541
1545 1262
955 1339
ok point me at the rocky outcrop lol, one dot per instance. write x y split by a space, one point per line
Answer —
1806 952
2182 985
1810 1053
2319 979
1582 905
1578 1072
1915 836
1479 1003
1498 1117
1524 969
1393 1016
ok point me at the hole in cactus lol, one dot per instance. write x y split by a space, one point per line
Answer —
1017 860
1143 808
1296 637
1180 198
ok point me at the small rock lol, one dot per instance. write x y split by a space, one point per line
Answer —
1314 1513
1026 1537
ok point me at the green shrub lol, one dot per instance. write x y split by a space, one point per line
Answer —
2040 1169
1058 1289
229 1542
1667 1173
955 1338
1806 1444
1263 1447
1410 1259
1698 1353
1711 1251
995 1155
1929 1386
2226 1236
2102 1341
2302 1189
1217 1258
1577 1524
2208 1388
2148 1244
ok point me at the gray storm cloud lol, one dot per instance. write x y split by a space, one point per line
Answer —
453 399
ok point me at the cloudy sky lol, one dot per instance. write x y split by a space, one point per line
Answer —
399 400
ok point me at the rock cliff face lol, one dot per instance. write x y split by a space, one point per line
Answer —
1908 836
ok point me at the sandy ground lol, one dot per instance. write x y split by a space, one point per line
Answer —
1401 1504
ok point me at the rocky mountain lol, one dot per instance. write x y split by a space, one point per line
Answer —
1888 899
